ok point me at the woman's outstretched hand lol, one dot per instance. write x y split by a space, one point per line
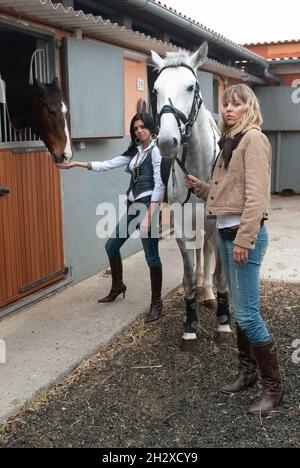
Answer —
67 165
193 183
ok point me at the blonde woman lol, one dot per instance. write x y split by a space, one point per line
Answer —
238 196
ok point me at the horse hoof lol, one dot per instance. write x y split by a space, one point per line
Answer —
224 338
211 304
188 346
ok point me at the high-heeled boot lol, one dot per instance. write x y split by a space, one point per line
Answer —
118 287
156 302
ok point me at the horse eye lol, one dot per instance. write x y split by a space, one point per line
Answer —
155 92
52 112
190 89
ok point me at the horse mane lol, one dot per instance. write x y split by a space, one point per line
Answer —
20 98
26 90
175 59
55 91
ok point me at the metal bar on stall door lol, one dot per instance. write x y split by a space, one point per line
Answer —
47 63
1 120
41 77
10 132
5 124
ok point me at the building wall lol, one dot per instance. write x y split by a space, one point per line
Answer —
133 71
289 79
83 191
272 51
287 50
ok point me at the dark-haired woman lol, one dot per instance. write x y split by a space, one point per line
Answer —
144 193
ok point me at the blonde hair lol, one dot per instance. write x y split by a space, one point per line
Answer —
251 117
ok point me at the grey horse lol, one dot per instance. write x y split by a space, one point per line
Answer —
188 136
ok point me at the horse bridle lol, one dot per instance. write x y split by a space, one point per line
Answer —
180 117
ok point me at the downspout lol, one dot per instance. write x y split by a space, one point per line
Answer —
187 25
270 77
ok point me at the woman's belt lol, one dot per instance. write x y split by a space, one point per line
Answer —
229 234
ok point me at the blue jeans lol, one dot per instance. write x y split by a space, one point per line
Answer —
244 287
122 233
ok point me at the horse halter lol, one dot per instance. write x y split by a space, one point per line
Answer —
180 117
188 122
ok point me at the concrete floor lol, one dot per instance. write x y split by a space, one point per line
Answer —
46 340
282 260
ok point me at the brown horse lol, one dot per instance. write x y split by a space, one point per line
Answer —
42 107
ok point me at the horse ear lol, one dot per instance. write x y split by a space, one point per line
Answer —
157 60
199 57
55 84
42 90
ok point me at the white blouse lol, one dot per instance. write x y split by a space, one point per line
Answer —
159 188
227 221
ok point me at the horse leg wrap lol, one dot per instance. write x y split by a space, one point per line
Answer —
223 312
191 316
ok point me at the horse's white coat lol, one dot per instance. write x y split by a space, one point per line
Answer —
177 83
68 150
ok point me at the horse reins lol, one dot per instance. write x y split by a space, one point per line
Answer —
180 117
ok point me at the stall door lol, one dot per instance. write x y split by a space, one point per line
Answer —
31 242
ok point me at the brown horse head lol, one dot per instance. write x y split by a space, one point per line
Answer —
42 107
49 119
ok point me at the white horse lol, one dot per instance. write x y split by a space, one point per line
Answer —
188 136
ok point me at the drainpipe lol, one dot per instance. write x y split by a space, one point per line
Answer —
270 77
216 39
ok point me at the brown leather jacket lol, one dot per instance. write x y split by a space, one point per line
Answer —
243 188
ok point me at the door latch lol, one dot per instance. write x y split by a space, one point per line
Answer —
4 191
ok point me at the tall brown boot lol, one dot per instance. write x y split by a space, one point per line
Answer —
118 287
247 375
266 357
156 302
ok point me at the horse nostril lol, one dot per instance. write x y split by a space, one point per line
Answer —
175 141
58 159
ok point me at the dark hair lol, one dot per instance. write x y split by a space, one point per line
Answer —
149 124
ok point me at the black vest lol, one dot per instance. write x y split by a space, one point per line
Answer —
146 179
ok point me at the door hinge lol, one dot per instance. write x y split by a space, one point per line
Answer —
45 279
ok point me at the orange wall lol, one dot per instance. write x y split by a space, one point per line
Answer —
277 50
272 51
289 78
133 71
